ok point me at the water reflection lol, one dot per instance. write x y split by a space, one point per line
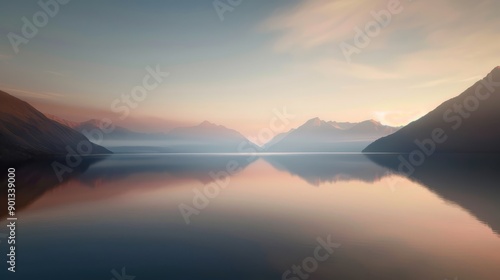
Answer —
194 166
123 212
35 178
471 181
317 169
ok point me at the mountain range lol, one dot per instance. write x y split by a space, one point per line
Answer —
27 133
468 123
205 137
317 135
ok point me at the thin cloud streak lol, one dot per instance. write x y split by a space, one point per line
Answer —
31 94
454 38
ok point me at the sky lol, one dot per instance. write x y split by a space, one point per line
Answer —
237 64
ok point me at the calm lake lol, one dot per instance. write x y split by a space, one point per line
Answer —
121 217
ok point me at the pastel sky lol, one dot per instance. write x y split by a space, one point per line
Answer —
264 55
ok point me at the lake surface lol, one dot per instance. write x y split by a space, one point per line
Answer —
120 216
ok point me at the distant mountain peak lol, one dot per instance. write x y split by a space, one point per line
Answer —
211 125
317 135
315 122
371 121
207 137
207 124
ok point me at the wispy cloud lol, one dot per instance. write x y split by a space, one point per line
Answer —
434 40
475 78
339 68
55 73
439 82
433 83
30 94
316 23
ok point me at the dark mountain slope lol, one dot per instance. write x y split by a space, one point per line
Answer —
470 123
27 133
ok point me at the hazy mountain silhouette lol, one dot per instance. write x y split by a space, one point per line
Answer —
276 139
203 138
342 125
207 137
317 135
27 133
118 133
318 169
469 180
467 123
370 129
